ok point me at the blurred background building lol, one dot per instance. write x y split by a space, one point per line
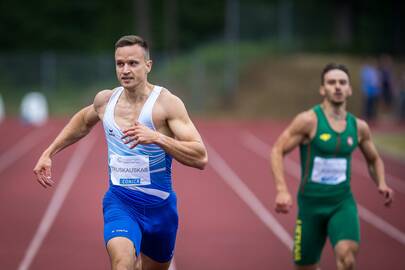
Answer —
242 58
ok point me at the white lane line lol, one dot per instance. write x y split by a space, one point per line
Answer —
172 265
262 149
240 188
381 224
22 146
258 146
69 175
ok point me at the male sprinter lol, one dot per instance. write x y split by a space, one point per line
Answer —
327 135
145 126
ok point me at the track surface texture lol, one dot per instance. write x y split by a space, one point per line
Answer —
227 220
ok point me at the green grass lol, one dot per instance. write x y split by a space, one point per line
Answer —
273 81
391 143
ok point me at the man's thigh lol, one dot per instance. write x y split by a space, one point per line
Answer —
160 229
344 224
119 224
310 234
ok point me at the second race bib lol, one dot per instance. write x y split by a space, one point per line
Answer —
331 171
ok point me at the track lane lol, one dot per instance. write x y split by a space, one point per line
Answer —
41 252
223 140
389 253
217 230
22 203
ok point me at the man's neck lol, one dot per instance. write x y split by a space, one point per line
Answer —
139 93
334 111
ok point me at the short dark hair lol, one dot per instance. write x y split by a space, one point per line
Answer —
133 40
332 66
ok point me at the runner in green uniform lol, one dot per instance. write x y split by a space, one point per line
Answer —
327 135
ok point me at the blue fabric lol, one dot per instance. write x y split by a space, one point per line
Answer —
370 81
152 228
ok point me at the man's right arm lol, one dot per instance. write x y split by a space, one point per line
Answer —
296 133
78 127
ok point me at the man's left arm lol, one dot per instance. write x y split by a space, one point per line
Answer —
186 147
374 162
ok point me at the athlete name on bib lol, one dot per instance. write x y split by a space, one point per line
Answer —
330 171
130 170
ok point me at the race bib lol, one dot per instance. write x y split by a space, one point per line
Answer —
330 171
130 170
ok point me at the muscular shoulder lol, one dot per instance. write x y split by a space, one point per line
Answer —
101 99
363 129
305 121
171 104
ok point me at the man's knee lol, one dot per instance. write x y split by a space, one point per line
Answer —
347 260
122 263
346 254
122 253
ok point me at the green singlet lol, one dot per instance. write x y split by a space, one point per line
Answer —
325 201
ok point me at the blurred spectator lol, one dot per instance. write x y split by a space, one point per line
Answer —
370 83
386 78
34 109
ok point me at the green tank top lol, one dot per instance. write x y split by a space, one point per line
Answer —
325 161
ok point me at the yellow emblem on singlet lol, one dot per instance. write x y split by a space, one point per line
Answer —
325 137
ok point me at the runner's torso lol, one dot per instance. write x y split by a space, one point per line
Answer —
326 159
143 174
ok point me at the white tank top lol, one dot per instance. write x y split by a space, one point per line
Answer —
141 174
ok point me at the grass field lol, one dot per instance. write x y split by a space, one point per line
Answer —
391 144
271 82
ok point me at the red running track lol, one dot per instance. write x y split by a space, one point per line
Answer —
226 212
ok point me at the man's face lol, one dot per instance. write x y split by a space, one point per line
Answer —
131 66
336 87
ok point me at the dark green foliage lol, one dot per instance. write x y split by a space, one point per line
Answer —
94 25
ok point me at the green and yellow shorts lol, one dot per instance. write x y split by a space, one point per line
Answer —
319 218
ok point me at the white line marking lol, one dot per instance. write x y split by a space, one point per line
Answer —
69 175
240 188
172 265
381 224
262 149
22 146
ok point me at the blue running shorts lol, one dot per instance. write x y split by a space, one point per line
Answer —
152 229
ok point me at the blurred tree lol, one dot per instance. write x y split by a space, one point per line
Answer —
367 26
141 15
62 25
344 11
398 26
171 31
200 21
232 37
285 18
